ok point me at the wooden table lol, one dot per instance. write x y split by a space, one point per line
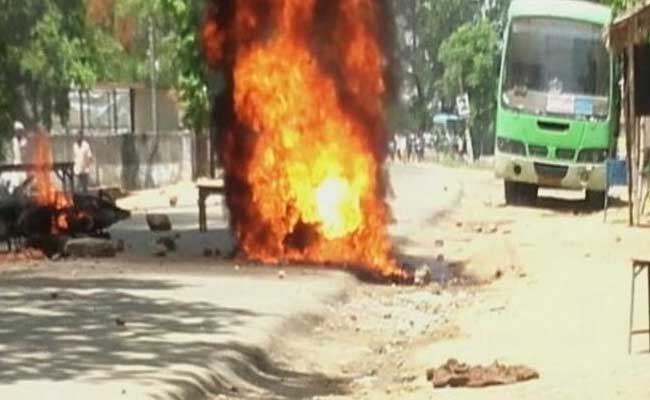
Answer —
63 170
207 187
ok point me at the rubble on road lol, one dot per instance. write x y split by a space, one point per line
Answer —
167 241
120 246
90 248
423 276
403 316
456 374
159 250
159 222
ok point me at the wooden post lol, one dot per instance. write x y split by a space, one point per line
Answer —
630 131
640 132
628 137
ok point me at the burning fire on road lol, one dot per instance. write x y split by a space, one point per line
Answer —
303 119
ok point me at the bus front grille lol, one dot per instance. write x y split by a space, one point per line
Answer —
537 151
565 154
551 171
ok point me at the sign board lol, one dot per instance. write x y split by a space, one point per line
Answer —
560 104
462 105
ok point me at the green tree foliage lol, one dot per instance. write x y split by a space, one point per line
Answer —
469 57
46 48
423 25
620 5
179 61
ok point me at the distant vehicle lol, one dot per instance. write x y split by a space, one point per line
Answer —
557 114
449 129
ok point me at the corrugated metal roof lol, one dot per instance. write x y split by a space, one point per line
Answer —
631 27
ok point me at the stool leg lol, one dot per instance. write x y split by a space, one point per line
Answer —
648 270
629 338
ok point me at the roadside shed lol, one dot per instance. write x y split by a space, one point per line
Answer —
629 37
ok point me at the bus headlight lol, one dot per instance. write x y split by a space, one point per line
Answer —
510 146
594 156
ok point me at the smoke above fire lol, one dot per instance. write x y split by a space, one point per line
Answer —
302 123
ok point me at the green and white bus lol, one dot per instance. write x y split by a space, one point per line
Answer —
558 117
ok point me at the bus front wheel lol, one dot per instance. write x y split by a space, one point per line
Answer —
519 193
595 199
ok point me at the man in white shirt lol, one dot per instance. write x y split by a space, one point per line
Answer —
18 143
83 158
18 148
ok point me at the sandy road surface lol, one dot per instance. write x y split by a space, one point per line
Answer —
546 286
141 327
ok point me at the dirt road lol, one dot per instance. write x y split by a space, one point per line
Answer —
545 286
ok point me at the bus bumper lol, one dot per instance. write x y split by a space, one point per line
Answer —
545 173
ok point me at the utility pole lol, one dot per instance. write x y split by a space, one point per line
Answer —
153 62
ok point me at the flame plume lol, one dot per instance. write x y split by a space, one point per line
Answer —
303 142
47 194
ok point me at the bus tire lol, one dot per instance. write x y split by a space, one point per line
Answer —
519 193
595 199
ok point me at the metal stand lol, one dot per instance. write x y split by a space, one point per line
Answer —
637 268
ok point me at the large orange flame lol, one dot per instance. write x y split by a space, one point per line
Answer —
47 193
303 147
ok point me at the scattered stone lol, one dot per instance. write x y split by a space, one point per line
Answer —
498 274
90 248
173 201
177 236
423 276
456 374
159 222
119 246
282 274
54 296
217 252
459 224
237 267
56 257
478 229
388 316
168 242
493 229
440 258
207 253
120 322
159 250
618 239
439 243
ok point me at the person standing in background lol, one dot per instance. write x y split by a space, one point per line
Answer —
18 148
83 158
18 143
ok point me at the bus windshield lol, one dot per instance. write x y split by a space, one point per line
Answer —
556 66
